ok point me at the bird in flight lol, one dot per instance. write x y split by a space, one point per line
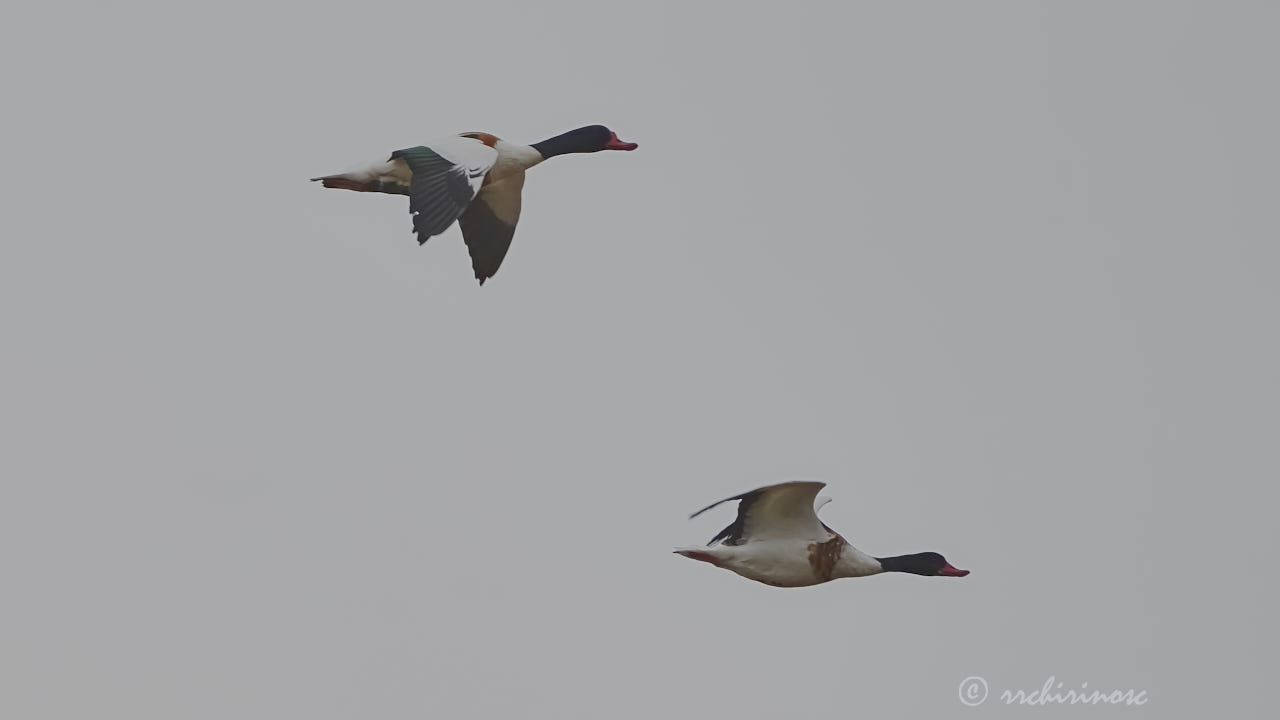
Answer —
474 178
777 539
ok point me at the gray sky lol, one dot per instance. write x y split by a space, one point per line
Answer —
1003 274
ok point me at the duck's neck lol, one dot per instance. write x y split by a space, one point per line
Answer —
563 144
512 158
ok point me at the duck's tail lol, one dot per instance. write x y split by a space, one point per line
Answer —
388 177
342 182
699 553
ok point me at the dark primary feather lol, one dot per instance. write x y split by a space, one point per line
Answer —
732 535
488 237
439 192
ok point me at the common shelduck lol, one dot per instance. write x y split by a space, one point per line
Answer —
474 178
778 540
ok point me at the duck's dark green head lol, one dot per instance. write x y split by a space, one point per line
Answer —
927 563
589 139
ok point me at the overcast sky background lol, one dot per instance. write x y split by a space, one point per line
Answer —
1002 274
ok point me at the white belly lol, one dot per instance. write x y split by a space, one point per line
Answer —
781 563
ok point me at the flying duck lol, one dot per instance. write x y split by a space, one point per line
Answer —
474 178
777 539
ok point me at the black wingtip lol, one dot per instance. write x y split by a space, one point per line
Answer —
718 502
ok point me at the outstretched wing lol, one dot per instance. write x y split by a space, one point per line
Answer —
777 511
446 176
490 222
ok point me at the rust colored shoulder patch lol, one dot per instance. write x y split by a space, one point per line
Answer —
483 137
824 556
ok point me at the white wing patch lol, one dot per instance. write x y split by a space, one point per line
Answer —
469 153
785 511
